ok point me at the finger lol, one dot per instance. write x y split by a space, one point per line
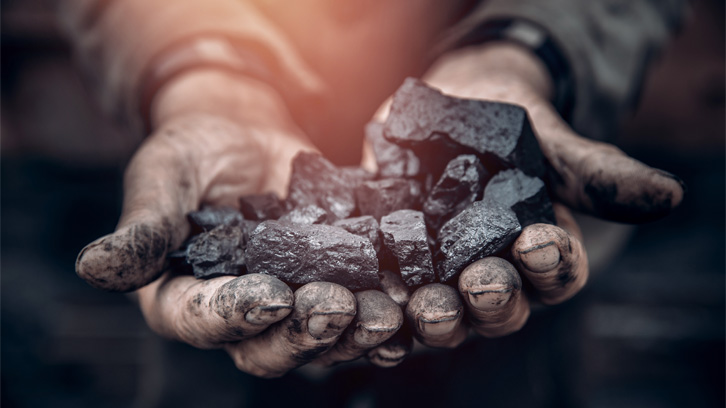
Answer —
394 286
164 181
394 350
552 259
435 311
322 310
492 290
377 319
208 313
600 179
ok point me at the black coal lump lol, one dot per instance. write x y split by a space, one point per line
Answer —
218 252
460 185
208 218
309 214
526 196
300 254
393 160
381 197
355 175
482 229
365 226
261 207
405 238
317 181
437 126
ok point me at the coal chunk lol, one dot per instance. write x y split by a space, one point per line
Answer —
381 197
482 229
260 207
405 237
300 254
208 218
355 175
526 196
218 252
439 127
309 214
459 186
393 160
365 226
316 181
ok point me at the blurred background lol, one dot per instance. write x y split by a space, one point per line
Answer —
648 330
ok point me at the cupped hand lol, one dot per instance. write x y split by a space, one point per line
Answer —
218 137
584 175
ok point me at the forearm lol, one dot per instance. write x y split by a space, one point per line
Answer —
132 48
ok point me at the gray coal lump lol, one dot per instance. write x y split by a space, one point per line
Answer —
309 214
259 207
442 127
460 185
317 181
208 218
526 196
300 254
364 226
218 252
482 229
381 197
405 238
393 161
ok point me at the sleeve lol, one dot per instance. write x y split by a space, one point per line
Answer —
606 46
130 48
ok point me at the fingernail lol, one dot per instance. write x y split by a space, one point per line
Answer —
372 335
387 356
327 325
490 297
674 177
541 258
438 326
267 314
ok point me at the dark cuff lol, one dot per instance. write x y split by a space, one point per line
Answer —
541 44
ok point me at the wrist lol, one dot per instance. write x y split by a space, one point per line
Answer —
499 70
216 92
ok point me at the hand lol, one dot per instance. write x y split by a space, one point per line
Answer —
585 175
218 137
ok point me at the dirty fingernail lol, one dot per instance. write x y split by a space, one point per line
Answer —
438 326
267 314
327 325
372 335
541 258
490 297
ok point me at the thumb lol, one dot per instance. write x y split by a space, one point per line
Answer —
199 158
600 179
159 189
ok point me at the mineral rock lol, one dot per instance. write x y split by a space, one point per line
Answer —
208 218
316 181
526 196
437 126
300 254
218 252
365 226
309 214
381 197
260 207
460 185
405 237
393 161
482 229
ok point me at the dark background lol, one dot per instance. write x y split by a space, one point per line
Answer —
647 331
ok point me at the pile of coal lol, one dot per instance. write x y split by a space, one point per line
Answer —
457 180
